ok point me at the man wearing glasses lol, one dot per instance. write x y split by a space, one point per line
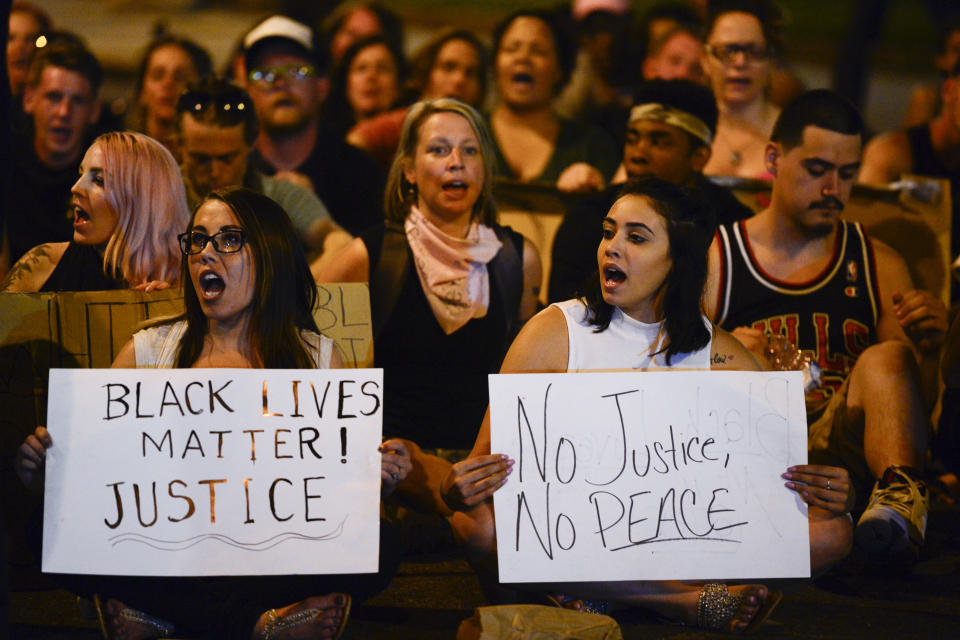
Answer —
285 79
216 129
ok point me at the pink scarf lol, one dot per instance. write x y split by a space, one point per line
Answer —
452 271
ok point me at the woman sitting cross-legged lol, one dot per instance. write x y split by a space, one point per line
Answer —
643 312
248 299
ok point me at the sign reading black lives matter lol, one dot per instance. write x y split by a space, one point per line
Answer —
213 471
649 476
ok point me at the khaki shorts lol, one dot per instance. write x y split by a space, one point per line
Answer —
835 437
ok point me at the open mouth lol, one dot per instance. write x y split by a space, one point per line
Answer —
211 285
612 276
522 78
80 215
455 186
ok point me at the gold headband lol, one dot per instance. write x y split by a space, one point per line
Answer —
669 115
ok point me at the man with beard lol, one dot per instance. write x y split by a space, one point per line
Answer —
798 270
284 77
669 133
61 102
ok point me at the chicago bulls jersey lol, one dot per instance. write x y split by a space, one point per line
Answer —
833 317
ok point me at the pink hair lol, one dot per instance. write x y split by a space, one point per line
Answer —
142 183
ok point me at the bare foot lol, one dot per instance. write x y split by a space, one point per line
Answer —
319 617
121 623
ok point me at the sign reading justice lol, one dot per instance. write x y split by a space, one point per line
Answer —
213 471
649 476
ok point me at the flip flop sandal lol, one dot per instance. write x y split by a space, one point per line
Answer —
161 628
716 606
276 624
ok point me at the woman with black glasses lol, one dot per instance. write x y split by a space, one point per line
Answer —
248 298
743 41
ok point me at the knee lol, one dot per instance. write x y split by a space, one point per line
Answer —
892 357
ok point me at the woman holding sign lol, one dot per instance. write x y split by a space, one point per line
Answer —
128 206
643 312
248 297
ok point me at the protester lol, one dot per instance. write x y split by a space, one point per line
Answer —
533 61
365 83
643 313
605 73
669 135
128 206
743 43
352 21
167 67
678 54
452 65
27 23
248 299
216 129
285 80
61 100
797 269
447 284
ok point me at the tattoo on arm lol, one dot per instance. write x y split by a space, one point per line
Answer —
25 266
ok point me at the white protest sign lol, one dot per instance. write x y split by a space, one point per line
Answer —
188 472
649 476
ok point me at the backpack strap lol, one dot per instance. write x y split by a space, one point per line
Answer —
506 269
387 280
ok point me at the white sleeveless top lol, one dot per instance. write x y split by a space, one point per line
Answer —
625 344
157 347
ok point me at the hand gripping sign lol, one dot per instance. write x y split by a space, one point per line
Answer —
178 472
649 476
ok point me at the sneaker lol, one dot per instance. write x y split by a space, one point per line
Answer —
895 521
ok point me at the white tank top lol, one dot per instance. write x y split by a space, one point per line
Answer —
157 347
625 344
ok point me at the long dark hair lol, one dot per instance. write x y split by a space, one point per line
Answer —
336 113
690 223
284 291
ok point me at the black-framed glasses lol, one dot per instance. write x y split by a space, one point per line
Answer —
726 53
234 104
224 241
268 76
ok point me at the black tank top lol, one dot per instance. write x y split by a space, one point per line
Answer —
435 385
81 269
925 159
832 317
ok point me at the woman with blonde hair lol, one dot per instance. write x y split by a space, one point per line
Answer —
448 285
128 206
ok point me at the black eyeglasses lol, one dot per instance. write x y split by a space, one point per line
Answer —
726 53
268 76
224 241
234 105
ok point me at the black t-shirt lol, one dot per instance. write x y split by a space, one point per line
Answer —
37 199
348 181
574 257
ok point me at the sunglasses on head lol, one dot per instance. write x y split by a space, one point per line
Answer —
235 104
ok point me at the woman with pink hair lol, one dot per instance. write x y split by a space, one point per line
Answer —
128 206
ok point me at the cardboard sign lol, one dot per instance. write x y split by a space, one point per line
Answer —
649 476
185 472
